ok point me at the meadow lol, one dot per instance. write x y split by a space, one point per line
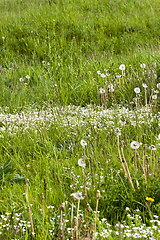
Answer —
79 119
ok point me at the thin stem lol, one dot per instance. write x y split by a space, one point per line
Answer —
29 209
95 219
77 220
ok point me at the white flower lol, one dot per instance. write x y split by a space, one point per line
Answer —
3 38
154 97
77 195
143 65
152 147
102 90
118 132
122 67
144 85
83 143
28 77
98 72
158 85
156 91
21 79
111 90
110 85
118 76
135 145
137 90
81 163
158 137
103 75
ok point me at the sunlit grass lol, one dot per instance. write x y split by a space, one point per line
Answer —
79 119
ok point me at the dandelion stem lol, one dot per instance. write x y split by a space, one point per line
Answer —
29 209
95 219
77 219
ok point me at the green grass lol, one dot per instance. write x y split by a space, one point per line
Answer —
50 99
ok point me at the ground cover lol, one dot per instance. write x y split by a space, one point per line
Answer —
79 120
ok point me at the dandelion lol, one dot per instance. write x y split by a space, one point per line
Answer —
154 97
158 85
144 85
83 143
143 65
102 90
81 163
28 77
135 145
149 199
137 90
122 67
77 195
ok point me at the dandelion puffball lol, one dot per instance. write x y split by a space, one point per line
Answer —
137 90
77 195
83 143
135 145
81 163
122 67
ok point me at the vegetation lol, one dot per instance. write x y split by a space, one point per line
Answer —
79 119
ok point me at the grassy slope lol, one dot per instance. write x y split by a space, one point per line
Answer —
75 37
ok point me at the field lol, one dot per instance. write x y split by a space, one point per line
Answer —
79 119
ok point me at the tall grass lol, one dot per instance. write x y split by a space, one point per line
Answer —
65 96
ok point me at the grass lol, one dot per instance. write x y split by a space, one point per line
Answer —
61 83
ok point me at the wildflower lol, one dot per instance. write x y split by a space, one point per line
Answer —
103 75
152 147
83 143
28 77
154 97
62 207
135 145
122 67
149 199
107 74
118 75
102 90
156 91
143 65
21 79
144 85
81 163
158 85
77 195
25 84
3 38
98 72
118 132
158 137
98 195
137 90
